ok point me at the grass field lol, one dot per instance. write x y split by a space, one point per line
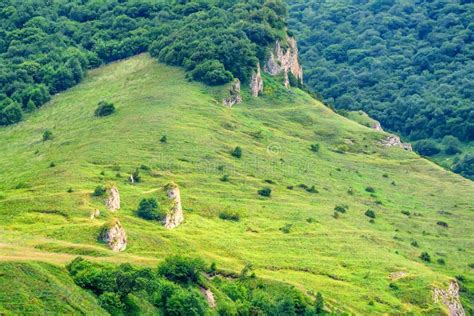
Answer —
347 259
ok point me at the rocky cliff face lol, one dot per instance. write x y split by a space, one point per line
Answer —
285 62
234 94
256 83
175 215
113 234
450 298
394 141
113 200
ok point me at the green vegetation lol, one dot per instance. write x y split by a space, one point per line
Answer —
405 63
237 152
150 210
104 109
46 47
347 260
99 191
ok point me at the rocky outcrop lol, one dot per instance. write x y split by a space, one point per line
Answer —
113 234
256 83
113 200
234 94
175 215
285 62
397 275
450 298
394 141
377 126
209 296
95 214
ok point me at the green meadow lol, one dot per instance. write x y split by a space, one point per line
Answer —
292 236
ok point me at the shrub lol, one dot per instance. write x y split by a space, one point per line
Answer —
370 189
211 72
47 135
425 257
225 178
70 190
145 168
229 216
269 181
267 192
185 302
427 147
310 220
237 152
315 147
452 145
99 191
181 269
104 109
393 286
149 209
164 139
287 228
441 261
111 302
442 224
370 213
136 175
407 213
52 164
312 189
290 187
350 191
341 208
414 243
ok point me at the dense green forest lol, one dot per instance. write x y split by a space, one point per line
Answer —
409 64
46 46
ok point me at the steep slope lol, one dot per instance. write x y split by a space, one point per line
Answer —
293 236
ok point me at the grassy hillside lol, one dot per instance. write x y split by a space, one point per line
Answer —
348 259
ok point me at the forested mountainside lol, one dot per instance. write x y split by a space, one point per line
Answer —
409 64
45 46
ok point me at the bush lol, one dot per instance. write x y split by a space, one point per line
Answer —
181 269
186 302
164 139
237 152
370 189
149 209
287 228
427 147
136 175
212 72
267 192
452 145
407 213
414 243
442 224
370 213
314 148
104 109
441 261
99 191
225 178
312 189
341 208
425 257
47 135
229 216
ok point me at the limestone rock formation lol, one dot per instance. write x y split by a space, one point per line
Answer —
95 214
209 296
394 141
234 94
256 83
113 200
175 215
450 298
113 234
285 62
377 126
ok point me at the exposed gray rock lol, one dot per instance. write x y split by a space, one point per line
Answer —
234 94
377 126
175 215
113 200
256 83
209 296
113 234
95 214
394 141
450 298
285 62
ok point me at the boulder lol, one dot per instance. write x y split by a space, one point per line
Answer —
209 296
256 82
113 234
450 298
234 94
95 214
377 126
113 200
285 62
174 216
394 141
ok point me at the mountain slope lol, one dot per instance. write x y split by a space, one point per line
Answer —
348 259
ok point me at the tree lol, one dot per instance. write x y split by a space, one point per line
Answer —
427 147
149 209
104 109
452 145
